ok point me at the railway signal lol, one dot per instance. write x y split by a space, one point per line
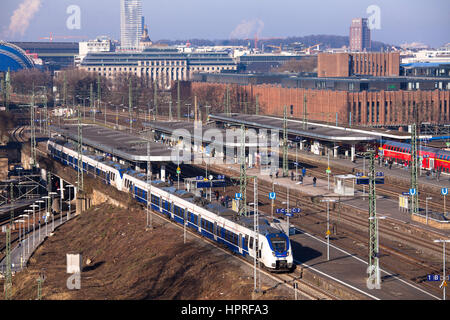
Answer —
328 225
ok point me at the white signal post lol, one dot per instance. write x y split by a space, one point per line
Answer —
444 192
444 282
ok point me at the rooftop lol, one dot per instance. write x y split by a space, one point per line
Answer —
118 143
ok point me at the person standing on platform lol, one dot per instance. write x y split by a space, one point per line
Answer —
314 181
303 172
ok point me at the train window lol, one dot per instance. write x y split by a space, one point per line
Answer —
251 243
246 241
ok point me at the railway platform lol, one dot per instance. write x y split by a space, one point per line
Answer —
397 171
385 207
344 267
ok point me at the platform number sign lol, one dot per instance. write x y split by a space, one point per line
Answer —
412 192
444 191
238 196
272 195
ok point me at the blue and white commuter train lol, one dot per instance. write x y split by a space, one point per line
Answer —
211 220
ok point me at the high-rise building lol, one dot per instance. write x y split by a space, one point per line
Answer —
130 23
359 35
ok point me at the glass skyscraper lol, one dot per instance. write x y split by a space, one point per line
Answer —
130 23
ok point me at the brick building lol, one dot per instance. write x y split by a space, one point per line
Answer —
376 64
366 108
359 35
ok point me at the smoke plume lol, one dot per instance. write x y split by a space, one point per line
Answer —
247 29
21 18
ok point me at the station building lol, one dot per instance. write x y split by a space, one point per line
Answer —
161 65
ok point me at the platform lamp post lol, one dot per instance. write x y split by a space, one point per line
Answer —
46 213
69 200
444 283
328 225
51 204
426 207
60 202
28 211
34 220
39 212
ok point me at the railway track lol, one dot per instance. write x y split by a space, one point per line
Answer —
415 250
288 279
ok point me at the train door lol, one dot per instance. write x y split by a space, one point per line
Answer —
240 243
431 163
215 231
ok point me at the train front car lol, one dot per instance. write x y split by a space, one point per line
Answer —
277 255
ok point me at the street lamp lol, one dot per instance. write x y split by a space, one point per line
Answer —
28 228
34 220
46 213
60 202
68 214
39 202
426 206
51 204
328 225
444 283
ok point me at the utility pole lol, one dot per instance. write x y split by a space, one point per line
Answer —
8 277
46 129
285 145
91 100
65 90
257 284
33 131
305 119
80 181
130 104
178 101
155 100
257 105
228 102
149 192
414 164
373 270
170 109
243 175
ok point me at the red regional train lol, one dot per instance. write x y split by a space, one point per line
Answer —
432 158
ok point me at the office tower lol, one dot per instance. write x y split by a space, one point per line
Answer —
130 23
359 35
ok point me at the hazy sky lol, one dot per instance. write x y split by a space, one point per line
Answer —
426 21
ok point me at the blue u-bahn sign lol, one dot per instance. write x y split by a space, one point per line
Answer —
444 191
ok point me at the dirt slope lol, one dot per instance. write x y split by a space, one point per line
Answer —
128 262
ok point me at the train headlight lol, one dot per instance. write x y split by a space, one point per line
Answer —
287 254
273 253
